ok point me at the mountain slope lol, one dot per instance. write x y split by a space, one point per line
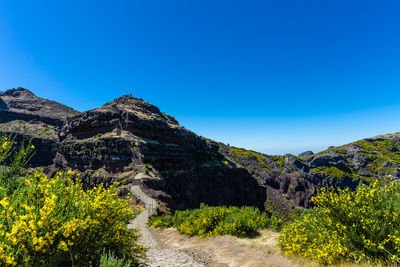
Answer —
367 159
290 181
27 117
128 135
22 104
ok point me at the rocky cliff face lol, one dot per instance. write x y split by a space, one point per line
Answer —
128 136
291 180
27 117
22 104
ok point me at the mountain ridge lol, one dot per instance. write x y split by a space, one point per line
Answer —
20 103
128 135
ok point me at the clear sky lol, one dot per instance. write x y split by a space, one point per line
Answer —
274 76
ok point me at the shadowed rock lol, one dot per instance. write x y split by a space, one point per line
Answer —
128 135
305 154
22 104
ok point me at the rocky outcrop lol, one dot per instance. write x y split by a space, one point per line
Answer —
128 133
305 154
42 137
22 104
129 136
291 181
28 118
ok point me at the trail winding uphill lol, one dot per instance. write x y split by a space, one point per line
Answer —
157 256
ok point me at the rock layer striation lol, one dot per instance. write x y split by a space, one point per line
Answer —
128 136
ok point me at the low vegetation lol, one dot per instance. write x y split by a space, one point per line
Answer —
26 128
381 156
334 172
54 222
355 226
210 221
381 153
110 260
262 159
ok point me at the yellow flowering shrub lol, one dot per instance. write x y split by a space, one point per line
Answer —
355 226
54 222
209 221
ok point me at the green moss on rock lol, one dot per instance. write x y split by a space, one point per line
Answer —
251 154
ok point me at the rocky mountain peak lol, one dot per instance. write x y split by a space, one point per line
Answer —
138 107
129 103
18 92
129 135
21 104
126 99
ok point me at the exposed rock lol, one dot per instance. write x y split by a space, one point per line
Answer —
306 154
293 163
129 136
26 117
291 181
22 104
326 160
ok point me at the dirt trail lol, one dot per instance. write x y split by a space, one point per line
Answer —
226 251
158 256
168 248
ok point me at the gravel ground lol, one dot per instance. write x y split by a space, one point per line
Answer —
158 256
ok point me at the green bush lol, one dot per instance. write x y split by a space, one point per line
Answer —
164 221
356 226
54 222
110 260
11 171
209 221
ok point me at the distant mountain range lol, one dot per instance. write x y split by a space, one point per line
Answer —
128 136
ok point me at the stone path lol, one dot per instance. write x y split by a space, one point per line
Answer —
158 257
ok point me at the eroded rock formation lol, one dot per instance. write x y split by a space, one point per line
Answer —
129 136
28 118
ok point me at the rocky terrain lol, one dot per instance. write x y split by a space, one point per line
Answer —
30 118
291 180
128 135
22 104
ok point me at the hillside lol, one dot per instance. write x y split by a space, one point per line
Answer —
128 135
294 179
22 104
28 117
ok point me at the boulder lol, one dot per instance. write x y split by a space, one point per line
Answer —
306 154
330 159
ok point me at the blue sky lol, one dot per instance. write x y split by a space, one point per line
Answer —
278 76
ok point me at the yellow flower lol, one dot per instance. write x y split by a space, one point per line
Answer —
63 246
4 202
5 145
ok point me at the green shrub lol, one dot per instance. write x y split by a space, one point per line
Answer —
209 221
280 216
355 226
276 223
250 153
243 222
164 221
110 260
